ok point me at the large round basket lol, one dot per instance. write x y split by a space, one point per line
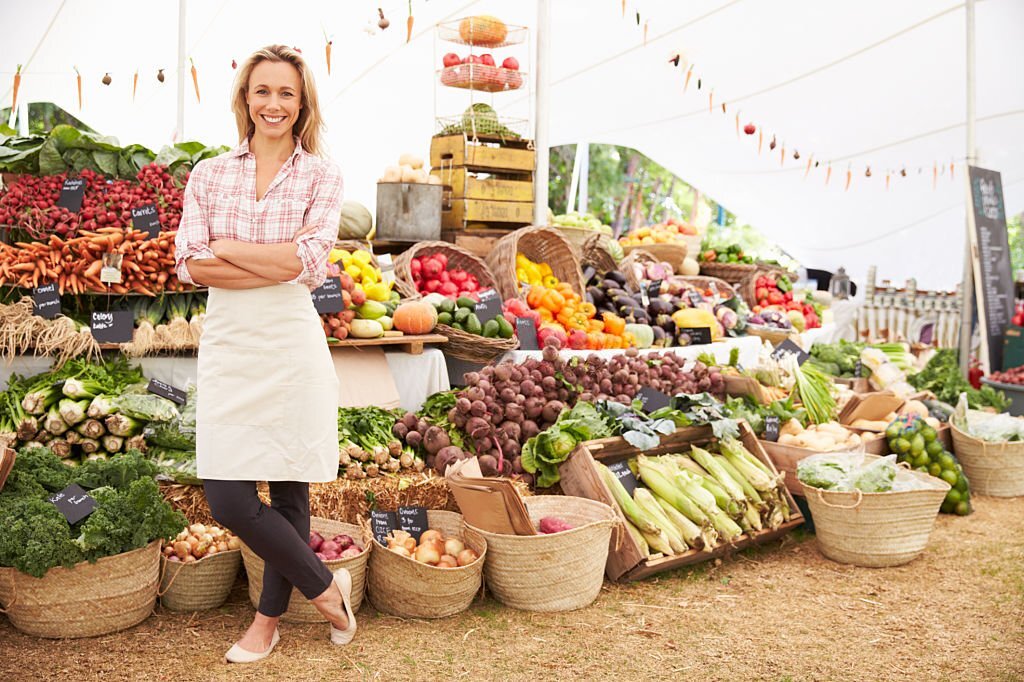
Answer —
473 347
540 245
636 256
719 287
597 255
733 273
995 469
557 572
87 600
404 587
748 287
300 610
458 257
672 253
875 529
198 586
578 236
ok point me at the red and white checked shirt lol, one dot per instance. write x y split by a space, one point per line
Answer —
220 203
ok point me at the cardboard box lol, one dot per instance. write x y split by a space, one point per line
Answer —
625 561
870 406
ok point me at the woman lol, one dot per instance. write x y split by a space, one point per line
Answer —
256 228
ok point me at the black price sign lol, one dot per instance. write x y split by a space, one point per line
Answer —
695 298
654 289
652 399
72 193
146 218
489 306
787 347
588 274
383 523
698 335
413 520
46 301
74 503
167 391
526 331
858 367
112 326
327 297
771 428
625 476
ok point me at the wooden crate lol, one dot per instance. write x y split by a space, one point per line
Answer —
478 242
463 183
625 561
482 154
468 213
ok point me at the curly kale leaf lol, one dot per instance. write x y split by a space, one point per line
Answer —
34 536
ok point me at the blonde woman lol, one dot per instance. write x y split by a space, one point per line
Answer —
256 228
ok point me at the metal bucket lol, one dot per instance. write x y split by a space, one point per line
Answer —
408 212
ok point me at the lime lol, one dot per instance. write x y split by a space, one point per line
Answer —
901 446
948 476
953 496
921 460
929 434
917 444
934 469
947 461
923 470
963 508
961 484
893 432
946 507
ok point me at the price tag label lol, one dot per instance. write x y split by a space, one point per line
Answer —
489 306
382 523
72 193
46 301
695 298
74 503
858 367
112 326
645 298
652 399
146 218
788 347
163 390
588 274
771 428
413 520
327 297
110 273
526 331
698 335
654 289
625 476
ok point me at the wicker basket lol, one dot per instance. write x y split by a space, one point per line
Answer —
995 469
674 253
404 587
578 236
558 572
300 609
87 600
733 273
875 529
198 586
635 256
358 244
458 257
541 245
595 254
473 347
724 289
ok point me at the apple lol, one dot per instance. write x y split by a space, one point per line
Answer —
510 63
487 59
451 59
749 129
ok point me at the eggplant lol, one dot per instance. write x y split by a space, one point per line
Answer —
615 293
609 284
659 306
616 276
659 334
597 294
666 323
624 301
642 316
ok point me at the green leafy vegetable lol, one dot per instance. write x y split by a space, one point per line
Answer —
942 377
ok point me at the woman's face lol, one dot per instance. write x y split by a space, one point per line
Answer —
274 98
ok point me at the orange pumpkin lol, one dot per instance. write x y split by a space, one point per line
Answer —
415 317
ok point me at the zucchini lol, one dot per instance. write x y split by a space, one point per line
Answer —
366 329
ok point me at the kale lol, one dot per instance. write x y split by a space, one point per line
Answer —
942 377
34 536
127 519
117 471
42 467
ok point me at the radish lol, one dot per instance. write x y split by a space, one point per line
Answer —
330 547
316 541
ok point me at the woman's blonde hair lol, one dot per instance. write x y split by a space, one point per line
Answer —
310 123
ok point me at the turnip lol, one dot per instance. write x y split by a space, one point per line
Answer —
315 541
344 541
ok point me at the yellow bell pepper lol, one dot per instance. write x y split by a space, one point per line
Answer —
354 271
378 291
362 257
550 281
339 255
545 269
369 274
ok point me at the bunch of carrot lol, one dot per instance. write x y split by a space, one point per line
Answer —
74 264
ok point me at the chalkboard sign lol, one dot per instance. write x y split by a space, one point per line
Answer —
72 193
74 503
163 390
695 299
990 252
457 370
46 301
654 288
625 476
146 218
112 326
858 368
413 520
382 523
327 297
652 399
698 335
787 347
771 428
489 306
526 331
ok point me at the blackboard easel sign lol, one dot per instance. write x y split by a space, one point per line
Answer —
990 254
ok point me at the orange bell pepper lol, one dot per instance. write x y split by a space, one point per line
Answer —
536 295
595 325
552 300
588 309
545 315
613 324
565 289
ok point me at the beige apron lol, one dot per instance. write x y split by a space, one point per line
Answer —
268 395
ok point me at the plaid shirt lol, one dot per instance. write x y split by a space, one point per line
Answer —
220 203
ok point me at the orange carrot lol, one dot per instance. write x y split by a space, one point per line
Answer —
408 24
135 84
17 85
760 141
646 21
623 9
711 101
327 49
195 78
809 160
78 79
849 177
686 83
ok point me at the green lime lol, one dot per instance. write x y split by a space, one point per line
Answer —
934 469
923 470
953 496
893 432
946 507
948 476
901 446
946 460
917 444
963 508
921 460
961 484
928 433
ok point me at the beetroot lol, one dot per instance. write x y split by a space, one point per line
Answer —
553 524
316 541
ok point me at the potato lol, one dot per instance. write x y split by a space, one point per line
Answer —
392 174
409 174
791 427
411 160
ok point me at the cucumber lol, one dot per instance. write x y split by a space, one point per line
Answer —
505 329
491 329
467 303
473 325
444 318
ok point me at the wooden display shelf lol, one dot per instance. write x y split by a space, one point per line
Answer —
482 153
463 183
413 345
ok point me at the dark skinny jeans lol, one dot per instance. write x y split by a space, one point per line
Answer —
278 534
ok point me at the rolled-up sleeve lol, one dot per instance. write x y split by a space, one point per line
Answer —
323 213
193 238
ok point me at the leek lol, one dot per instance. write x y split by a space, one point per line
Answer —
112 443
72 411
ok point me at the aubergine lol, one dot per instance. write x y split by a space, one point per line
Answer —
659 334
597 294
659 306
615 293
623 301
609 284
642 316
666 323
616 277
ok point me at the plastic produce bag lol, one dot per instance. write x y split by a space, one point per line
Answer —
994 428
147 407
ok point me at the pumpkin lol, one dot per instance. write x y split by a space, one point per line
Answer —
483 30
415 317
355 222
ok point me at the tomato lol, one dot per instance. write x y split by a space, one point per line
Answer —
775 298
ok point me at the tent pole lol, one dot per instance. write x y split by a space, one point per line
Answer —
584 161
967 287
574 180
541 67
179 126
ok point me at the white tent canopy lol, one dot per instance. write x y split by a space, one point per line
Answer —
873 83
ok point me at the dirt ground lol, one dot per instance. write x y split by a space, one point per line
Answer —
780 612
